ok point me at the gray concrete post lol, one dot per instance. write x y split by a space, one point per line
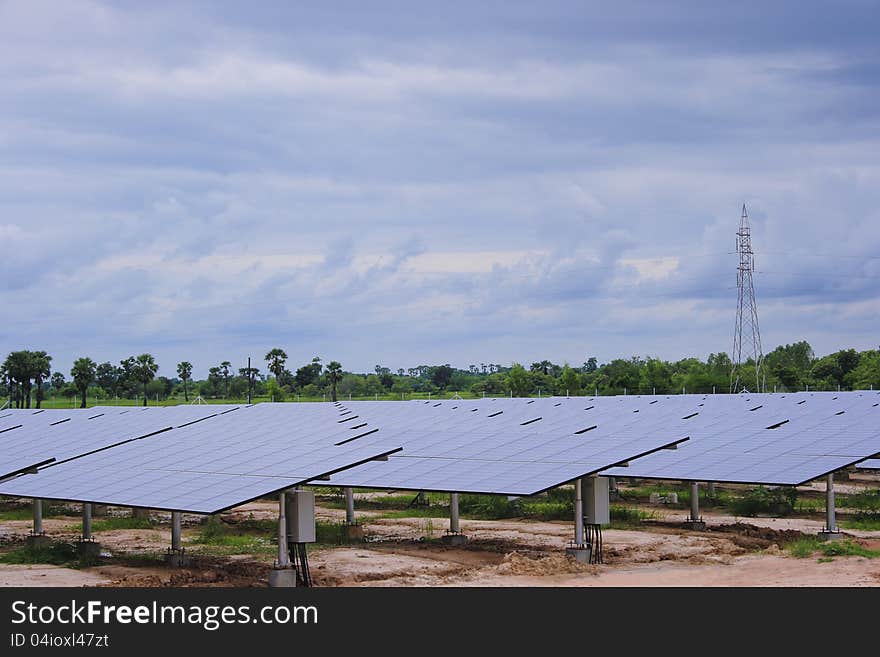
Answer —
38 517
349 506
283 555
578 514
453 514
176 542
695 501
830 520
87 522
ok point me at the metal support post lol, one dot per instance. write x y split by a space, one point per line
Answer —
454 535
694 521
578 514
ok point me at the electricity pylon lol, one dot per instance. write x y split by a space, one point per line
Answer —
746 333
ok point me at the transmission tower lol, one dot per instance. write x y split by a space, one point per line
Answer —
746 334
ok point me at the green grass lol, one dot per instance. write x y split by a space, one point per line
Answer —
112 523
862 520
16 512
866 501
624 515
58 554
809 545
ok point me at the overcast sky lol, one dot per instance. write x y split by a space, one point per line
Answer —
393 183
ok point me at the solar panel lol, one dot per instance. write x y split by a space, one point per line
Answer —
781 440
869 464
203 467
53 435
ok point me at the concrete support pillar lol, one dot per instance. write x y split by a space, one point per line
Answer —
578 513
694 522
352 532
710 490
454 535
454 526
349 506
88 549
282 576
831 532
37 538
87 522
38 517
176 542
578 549
283 554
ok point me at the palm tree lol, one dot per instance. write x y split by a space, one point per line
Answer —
40 371
276 359
145 369
224 371
83 373
17 369
57 382
184 371
334 375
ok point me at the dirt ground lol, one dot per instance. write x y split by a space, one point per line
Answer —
499 553
407 551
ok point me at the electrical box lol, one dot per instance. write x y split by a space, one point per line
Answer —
301 516
595 491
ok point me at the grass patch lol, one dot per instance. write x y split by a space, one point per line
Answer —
625 515
825 559
866 521
17 512
868 501
804 547
111 523
807 546
57 554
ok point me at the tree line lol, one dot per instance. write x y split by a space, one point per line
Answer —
26 377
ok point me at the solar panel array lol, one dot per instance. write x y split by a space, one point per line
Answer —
181 459
769 439
33 438
511 447
207 466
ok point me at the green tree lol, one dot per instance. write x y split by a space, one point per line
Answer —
57 382
225 367
568 380
83 374
184 371
518 380
334 376
276 359
144 371
107 376
40 371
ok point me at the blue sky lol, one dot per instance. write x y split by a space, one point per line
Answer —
400 184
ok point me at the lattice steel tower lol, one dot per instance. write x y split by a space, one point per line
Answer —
746 334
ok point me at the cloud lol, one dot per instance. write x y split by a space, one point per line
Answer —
206 182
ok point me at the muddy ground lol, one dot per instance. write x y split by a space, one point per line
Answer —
407 551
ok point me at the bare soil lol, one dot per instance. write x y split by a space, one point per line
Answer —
409 552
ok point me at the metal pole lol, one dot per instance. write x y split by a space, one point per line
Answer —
453 514
711 490
578 514
695 501
349 506
283 556
830 521
176 543
87 522
38 516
